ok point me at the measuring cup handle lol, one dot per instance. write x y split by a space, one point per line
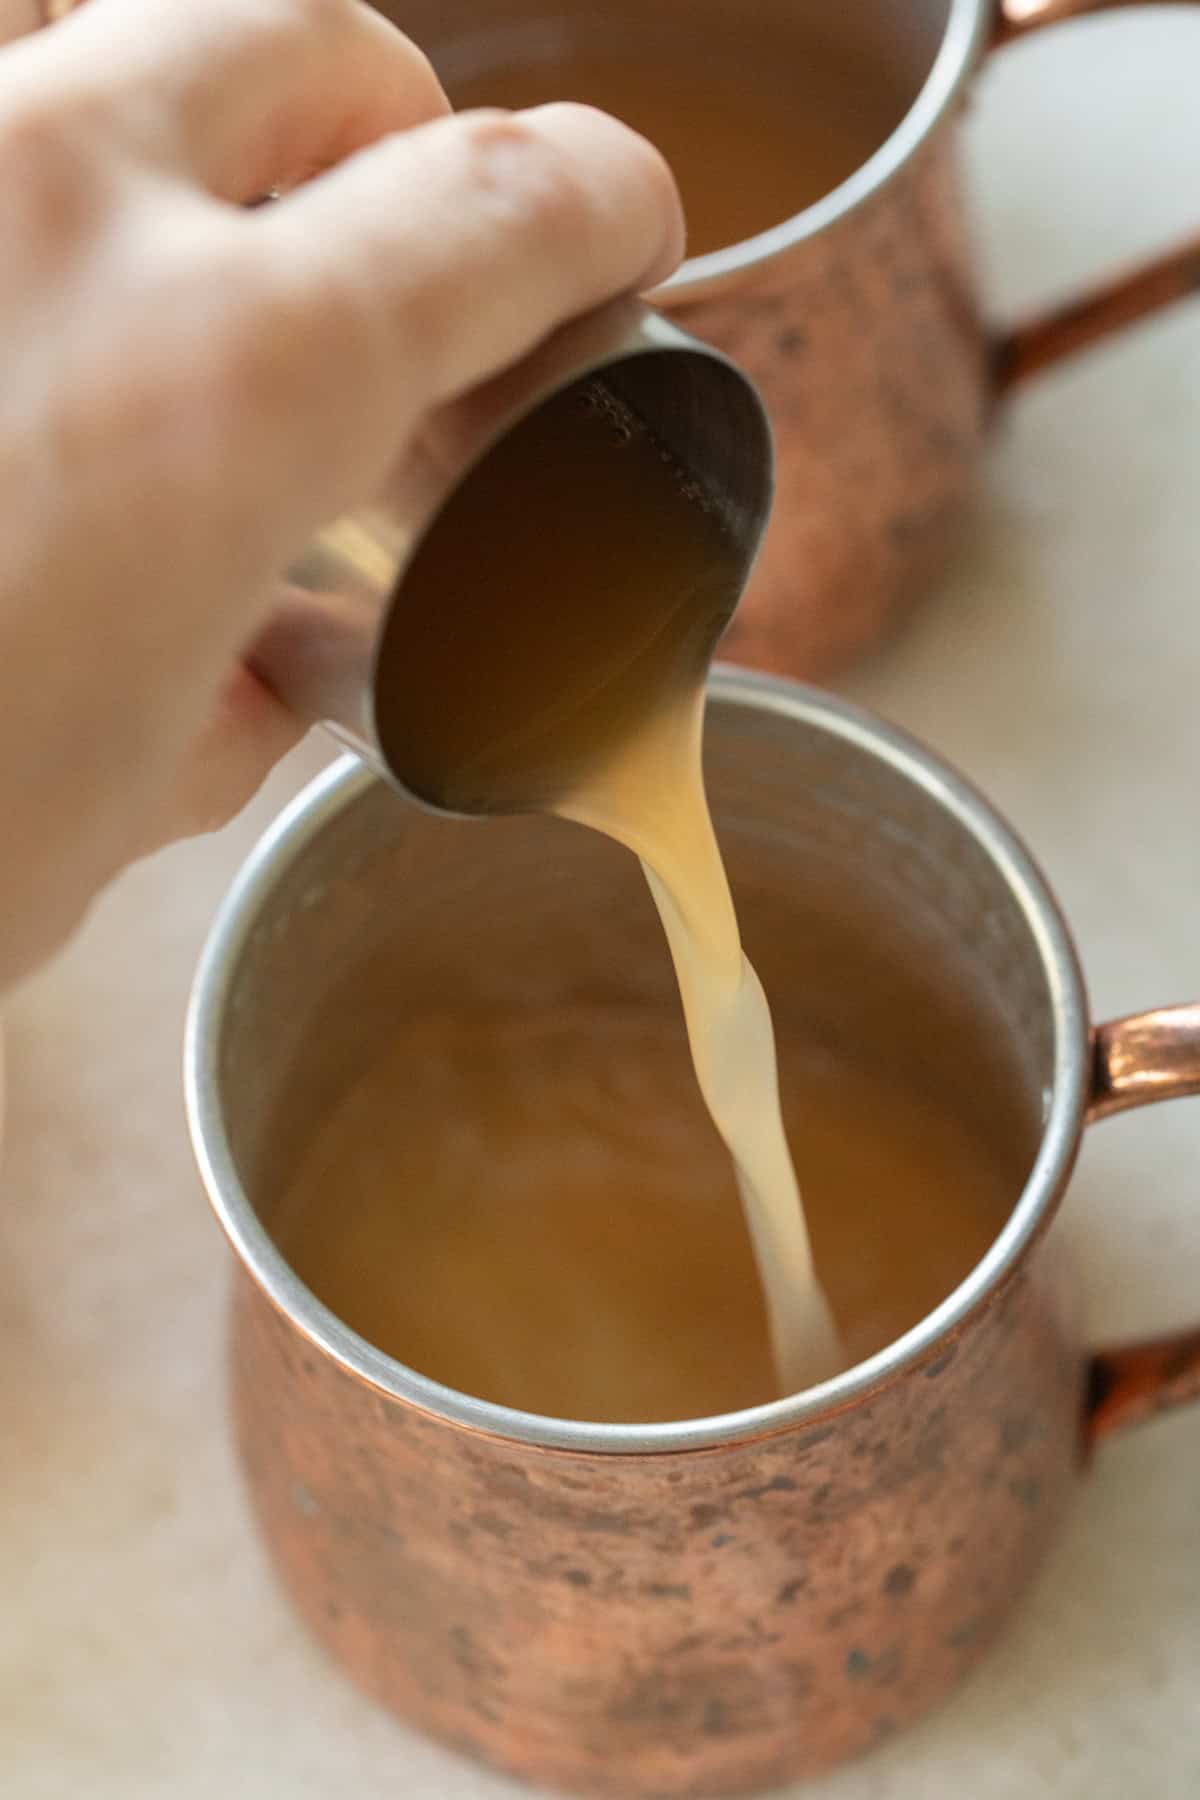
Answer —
1137 1062
1129 296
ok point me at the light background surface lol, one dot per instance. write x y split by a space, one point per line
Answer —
143 1649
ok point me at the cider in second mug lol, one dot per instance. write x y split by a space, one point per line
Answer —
817 153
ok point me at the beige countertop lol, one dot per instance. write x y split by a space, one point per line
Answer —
143 1649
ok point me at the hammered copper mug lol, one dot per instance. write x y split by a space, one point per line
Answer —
858 318
712 1606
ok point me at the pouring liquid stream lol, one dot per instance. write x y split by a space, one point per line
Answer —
590 706
649 796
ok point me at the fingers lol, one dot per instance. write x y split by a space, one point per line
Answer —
244 96
421 267
473 237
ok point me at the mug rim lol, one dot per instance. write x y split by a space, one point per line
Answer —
338 787
964 39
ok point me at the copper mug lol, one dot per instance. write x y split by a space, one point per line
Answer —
713 1606
859 318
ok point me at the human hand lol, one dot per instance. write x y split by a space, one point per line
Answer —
192 388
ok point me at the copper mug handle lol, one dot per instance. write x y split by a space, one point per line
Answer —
1128 296
1136 1062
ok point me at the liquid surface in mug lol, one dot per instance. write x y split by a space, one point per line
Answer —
536 1210
757 125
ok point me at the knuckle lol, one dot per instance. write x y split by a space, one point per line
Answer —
321 316
57 189
32 136
287 346
185 405
278 28
524 174
239 371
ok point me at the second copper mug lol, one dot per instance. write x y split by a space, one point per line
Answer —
858 318
711 1606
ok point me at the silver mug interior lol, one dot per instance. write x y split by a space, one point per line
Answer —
890 913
